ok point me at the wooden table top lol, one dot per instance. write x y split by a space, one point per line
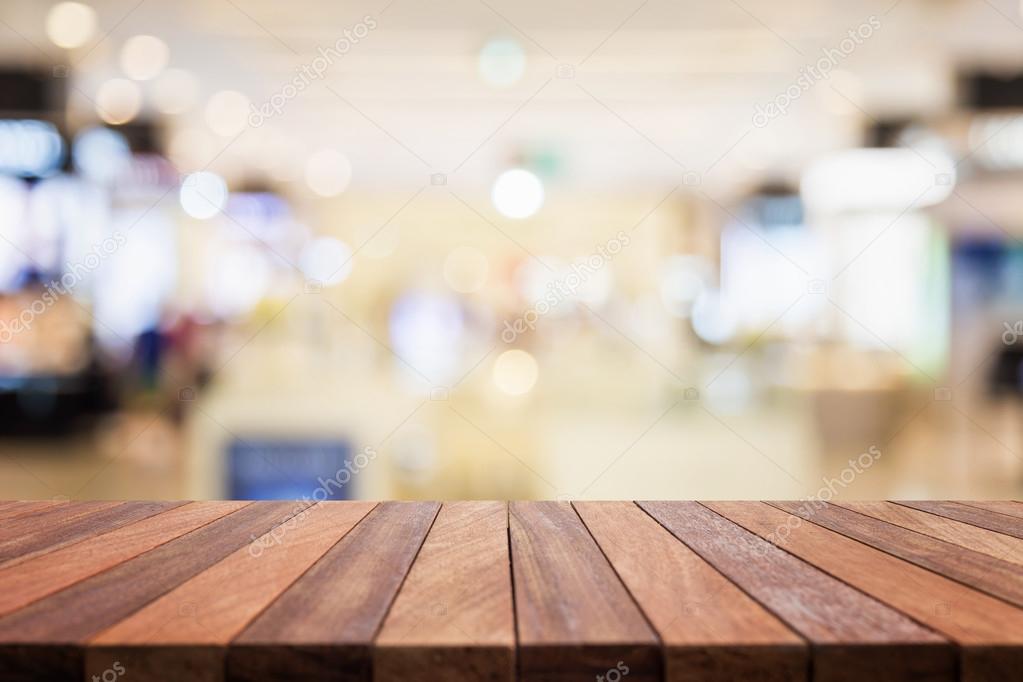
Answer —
474 591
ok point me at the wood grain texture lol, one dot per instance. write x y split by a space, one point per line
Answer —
25 530
982 518
980 540
576 620
453 618
13 510
854 637
61 532
1007 507
989 631
324 625
711 630
184 633
43 640
24 583
996 577
488 591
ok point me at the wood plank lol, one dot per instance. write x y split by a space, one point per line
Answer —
29 581
576 620
13 510
989 631
62 531
43 640
54 516
323 626
853 636
980 571
711 630
184 634
980 540
453 617
1000 523
1007 507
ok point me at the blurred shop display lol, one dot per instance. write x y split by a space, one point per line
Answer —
213 286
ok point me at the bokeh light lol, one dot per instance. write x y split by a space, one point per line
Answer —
466 269
203 195
515 372
70 24
502 62
517 193
328 172
227 113
118 101
143 57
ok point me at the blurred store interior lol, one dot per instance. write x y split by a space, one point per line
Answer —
511 249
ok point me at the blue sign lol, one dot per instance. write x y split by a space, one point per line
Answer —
290 470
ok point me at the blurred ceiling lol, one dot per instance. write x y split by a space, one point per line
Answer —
646 91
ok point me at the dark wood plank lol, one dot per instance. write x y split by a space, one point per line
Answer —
989 631
980 571
58 532
980 540
854 637
576 620
204 616
711 630
43 640
26 582
1007 507
323 626
453 618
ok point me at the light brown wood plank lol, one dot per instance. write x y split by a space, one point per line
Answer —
26 582
989 631
980 571
44 639
980 540
854 637
998 522
184 633
453 618
323 626
1007 507
711 630
576 620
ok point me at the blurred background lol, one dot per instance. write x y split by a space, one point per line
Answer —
494 249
